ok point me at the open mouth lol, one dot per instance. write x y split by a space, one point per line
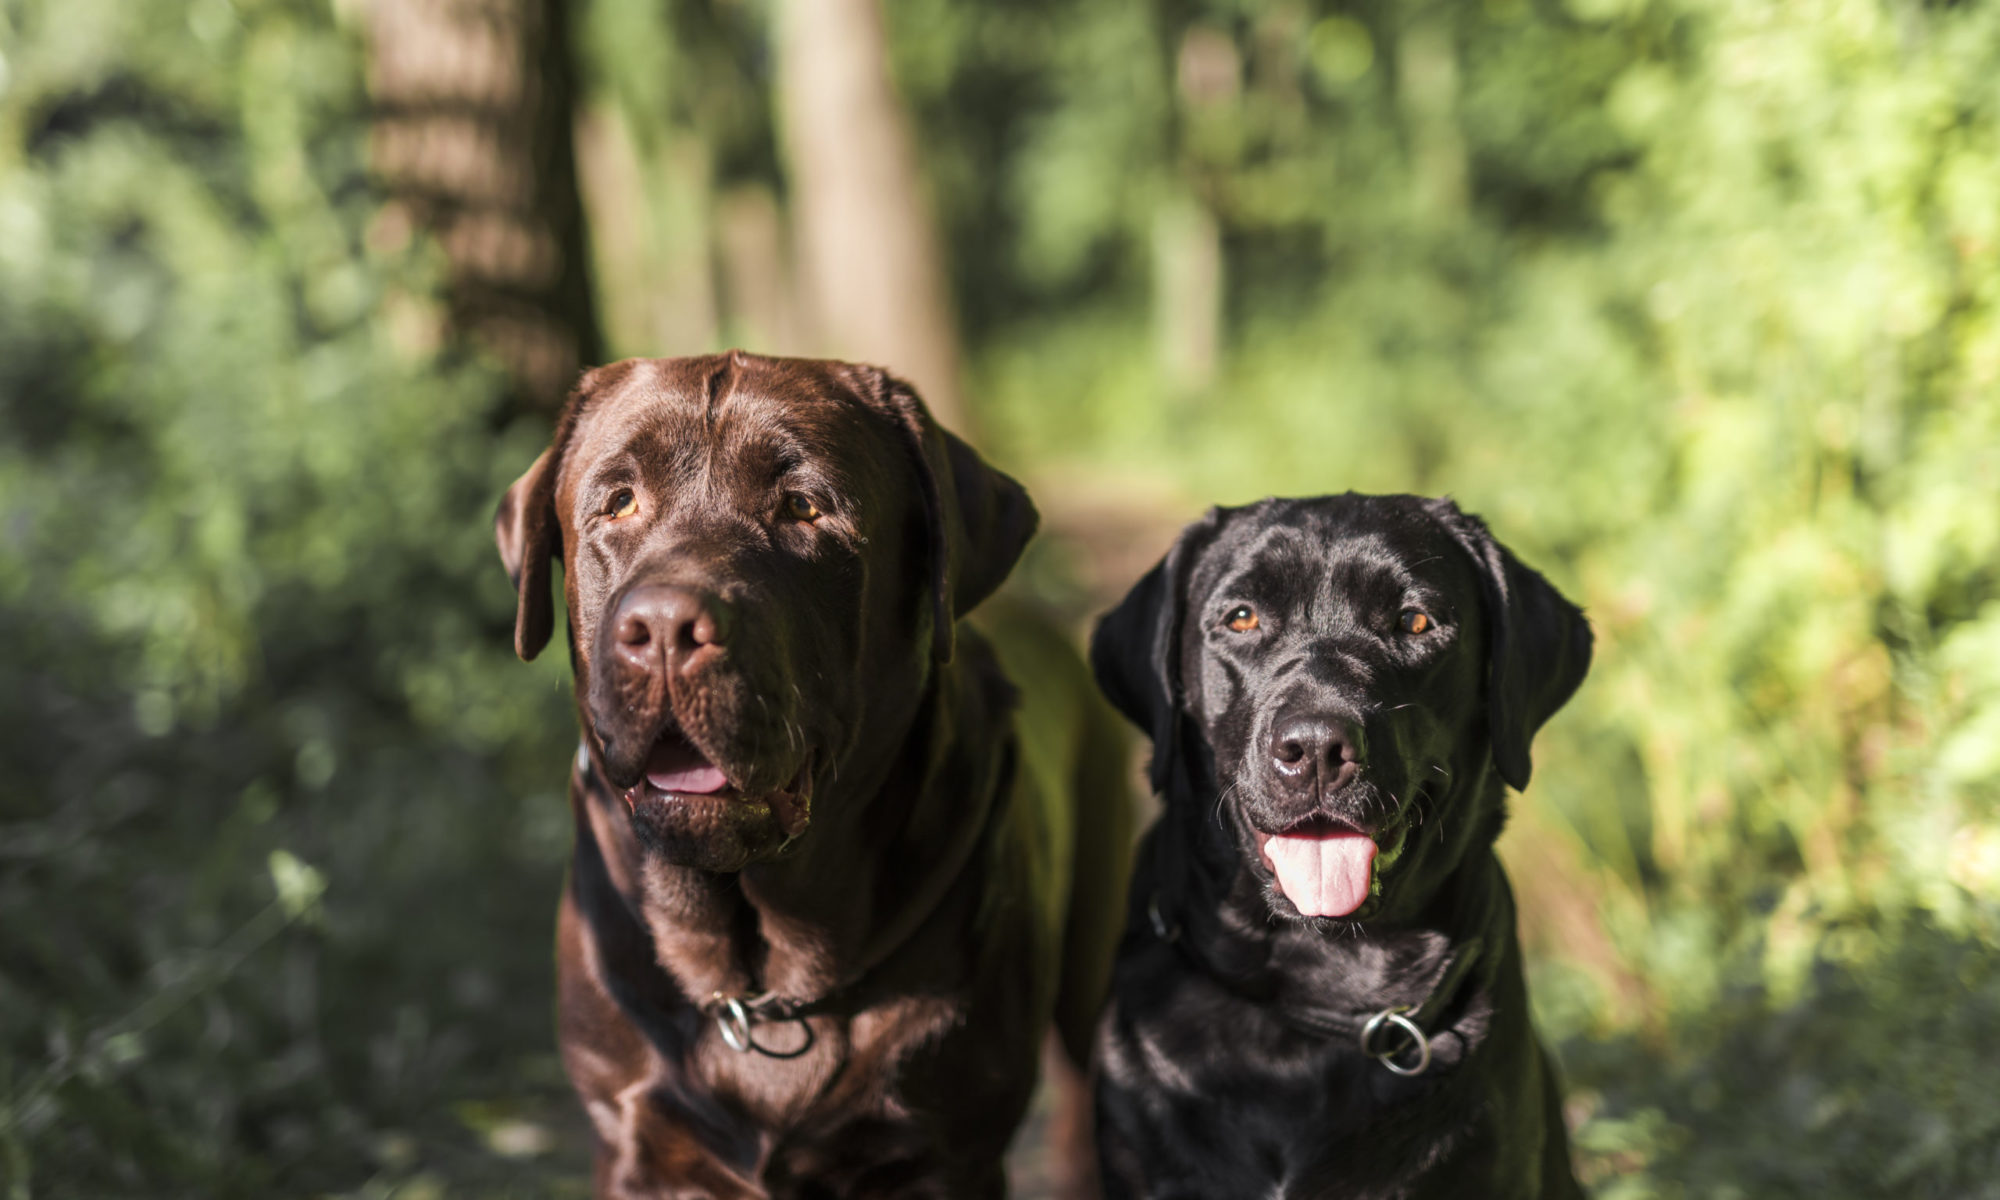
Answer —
1323 865
676 766
678 773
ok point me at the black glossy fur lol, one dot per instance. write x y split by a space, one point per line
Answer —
1330 711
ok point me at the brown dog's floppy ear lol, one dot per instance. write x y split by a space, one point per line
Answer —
979 518
525 528
995 518
1135 650
1538 643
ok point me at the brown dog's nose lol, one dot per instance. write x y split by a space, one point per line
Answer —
673 627
1315 747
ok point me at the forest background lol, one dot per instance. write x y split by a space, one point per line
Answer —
1697 301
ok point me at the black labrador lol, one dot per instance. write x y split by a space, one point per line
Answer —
1319 992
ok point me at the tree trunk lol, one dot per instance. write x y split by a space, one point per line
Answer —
473 137
872 276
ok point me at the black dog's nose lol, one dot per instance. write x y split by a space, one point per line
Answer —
1317 747
676 627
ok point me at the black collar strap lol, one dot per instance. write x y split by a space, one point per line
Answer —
737 1016
1399 1036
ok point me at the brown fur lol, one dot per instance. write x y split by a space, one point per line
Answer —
928 858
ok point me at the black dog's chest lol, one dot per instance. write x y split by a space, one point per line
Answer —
1220 1098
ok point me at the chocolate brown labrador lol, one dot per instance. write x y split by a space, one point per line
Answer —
842 861
1320 991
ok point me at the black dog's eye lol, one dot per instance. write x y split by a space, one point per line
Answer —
1242 618
622 504
1414 621
800 507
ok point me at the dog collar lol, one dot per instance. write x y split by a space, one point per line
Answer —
737 1016
1398 1036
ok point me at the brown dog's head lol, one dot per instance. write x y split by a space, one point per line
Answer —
763 559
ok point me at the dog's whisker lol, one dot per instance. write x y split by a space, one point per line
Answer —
1221 798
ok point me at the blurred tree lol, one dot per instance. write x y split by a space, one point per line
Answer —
872 277
475 105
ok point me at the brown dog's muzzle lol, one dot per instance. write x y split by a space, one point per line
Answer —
675 717
663 671
664 631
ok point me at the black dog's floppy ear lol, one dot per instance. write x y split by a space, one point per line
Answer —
979 518
1135 650
525 528
1539 643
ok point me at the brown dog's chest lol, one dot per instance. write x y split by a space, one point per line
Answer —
681 1113
914 1081
723 1123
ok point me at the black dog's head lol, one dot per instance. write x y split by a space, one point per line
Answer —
763 559
1340 678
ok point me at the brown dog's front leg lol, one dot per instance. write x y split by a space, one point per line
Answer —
656 1162
1072 1150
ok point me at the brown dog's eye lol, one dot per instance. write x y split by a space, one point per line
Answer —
800 508
1242 618
622 504
1414 621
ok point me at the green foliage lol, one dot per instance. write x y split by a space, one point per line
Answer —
1863 1086
1695 301
280 824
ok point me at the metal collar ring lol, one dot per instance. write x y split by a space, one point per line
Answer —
735 1018
1394 1017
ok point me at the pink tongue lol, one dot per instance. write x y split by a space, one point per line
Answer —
1324 876
681 768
